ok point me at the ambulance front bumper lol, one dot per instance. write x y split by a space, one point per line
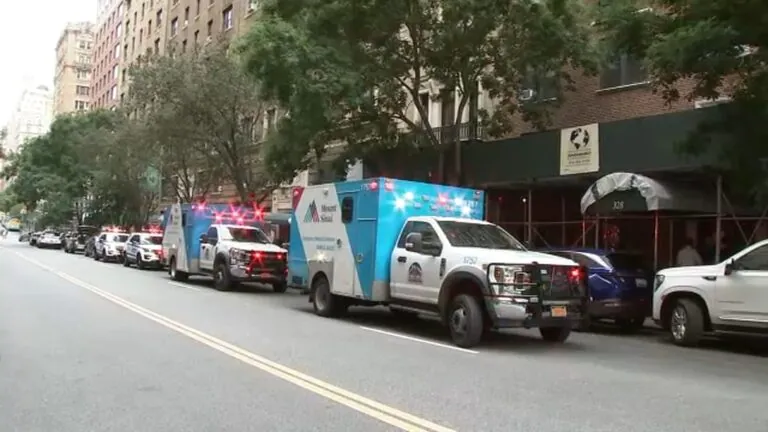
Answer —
515 312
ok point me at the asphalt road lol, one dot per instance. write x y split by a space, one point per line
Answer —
87 346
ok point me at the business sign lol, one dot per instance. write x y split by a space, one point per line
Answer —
580 149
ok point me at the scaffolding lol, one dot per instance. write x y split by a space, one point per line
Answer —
649 207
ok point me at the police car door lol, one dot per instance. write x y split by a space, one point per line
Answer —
132 246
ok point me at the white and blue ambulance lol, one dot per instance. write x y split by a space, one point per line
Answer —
422 248
231 243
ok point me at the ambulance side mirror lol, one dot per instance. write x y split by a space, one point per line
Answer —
413 242
203 238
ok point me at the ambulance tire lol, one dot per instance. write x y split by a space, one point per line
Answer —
325 303
178 276
465 321
222 278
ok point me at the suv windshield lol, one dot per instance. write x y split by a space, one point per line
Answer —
475 235
249 235
152 240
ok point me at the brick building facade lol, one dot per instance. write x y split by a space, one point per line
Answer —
107 53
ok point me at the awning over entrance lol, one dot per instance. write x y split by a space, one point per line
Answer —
626 192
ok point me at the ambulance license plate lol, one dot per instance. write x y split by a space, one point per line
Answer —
559 311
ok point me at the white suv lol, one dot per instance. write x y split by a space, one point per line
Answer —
728 297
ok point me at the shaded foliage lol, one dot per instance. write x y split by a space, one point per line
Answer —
354 71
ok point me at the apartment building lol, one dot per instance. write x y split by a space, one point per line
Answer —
31 118
107 54
72 79
146 30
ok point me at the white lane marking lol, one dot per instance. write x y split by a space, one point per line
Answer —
372 408
420 340
181 285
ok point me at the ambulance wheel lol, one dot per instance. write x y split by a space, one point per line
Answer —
280 287
176 275
325 303
555 334
465 320
222 279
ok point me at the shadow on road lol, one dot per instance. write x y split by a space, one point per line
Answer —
431 330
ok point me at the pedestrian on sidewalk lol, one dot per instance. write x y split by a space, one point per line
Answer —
688 255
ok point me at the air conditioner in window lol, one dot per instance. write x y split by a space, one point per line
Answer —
527 94
208 39
706 103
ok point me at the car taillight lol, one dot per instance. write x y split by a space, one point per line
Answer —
576 274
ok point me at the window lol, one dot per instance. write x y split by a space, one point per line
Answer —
428 234
115 71
83 75
212 234
347 209
186 15
141 35
197 8
81 105
479 235
117 51
82 91
134 239
197 37
226 19
119 30
174 27
120 9
757 259
149 27
113 93
81 45
581 259
210 28
157 46
539 86
159 18
623 70
184 46
125 49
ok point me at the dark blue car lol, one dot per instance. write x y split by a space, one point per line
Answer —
620 284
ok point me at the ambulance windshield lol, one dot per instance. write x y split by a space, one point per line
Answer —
247 235
475 235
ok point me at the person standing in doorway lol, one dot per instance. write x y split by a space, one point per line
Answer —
688 255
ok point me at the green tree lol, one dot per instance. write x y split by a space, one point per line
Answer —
709 49
207 115
354 72
3 136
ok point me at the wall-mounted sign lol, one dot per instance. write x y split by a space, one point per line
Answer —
580 149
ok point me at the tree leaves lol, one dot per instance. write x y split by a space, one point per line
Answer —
353 72
206 117
708 49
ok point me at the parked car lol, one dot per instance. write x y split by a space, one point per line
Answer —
90 245
145 249
109 246
619 284
33 238
728 297
78 241
49 240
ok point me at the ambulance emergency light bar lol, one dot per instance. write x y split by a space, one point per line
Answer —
440 203
234 212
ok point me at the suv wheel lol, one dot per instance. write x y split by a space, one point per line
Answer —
686 323
465 321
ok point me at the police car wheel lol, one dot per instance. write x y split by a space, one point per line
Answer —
465 321
140 262
280 287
